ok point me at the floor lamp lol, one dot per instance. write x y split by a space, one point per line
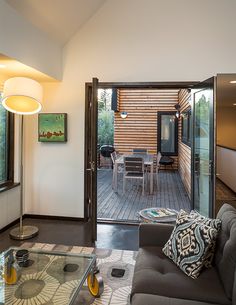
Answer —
22 96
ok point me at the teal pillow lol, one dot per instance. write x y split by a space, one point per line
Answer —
189 244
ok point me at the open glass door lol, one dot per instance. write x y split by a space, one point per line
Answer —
90 188
203 155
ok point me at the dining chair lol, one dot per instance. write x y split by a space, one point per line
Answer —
140 151
133 169
158 158
120 168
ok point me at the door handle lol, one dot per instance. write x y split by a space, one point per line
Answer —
217 175
92 168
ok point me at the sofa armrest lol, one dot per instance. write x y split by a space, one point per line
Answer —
154 234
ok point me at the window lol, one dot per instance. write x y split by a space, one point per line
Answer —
6 146
167 133
186 127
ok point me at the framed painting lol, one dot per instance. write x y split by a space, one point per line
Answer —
52 127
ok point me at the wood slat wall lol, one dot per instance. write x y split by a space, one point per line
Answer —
184 150
139 129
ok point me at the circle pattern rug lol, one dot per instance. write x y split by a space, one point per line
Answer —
116 290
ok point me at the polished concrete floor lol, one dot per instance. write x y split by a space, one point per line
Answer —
65 232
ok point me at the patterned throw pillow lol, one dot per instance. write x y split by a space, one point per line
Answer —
213 223
189 244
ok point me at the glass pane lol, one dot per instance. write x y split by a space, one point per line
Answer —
203 100
168 133
3 143
185 127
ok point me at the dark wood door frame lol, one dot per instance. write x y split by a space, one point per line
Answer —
119 85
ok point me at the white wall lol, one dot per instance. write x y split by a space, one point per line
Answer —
27 44
135 40
10 206
226 166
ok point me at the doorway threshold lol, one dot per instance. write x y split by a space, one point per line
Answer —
116 221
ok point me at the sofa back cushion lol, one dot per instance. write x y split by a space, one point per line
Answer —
225 255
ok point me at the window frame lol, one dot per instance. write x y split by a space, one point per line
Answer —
159 115
186 140
10 151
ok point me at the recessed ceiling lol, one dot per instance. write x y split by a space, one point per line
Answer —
60 19
10 68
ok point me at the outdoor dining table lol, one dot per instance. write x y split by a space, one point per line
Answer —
147 160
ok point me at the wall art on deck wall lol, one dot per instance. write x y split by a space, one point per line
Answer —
52 127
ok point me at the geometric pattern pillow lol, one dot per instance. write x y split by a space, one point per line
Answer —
214 223
189 244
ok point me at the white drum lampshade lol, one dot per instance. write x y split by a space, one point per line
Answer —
22 95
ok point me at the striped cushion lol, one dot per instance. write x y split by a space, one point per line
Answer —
189 244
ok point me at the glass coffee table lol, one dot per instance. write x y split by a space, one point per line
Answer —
52 278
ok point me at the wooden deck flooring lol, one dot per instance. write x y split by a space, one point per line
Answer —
169 192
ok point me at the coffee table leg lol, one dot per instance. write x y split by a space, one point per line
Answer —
95 283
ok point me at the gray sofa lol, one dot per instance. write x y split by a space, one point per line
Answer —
158 281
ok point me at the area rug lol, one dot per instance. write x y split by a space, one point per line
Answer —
116 290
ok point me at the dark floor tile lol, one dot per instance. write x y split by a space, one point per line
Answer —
73 233
118 236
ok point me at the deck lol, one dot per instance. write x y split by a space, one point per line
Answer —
169 192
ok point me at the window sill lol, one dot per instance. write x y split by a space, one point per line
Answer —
8 187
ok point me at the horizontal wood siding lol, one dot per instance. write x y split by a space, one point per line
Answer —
184 150
139 129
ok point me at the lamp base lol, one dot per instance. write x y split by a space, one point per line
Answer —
27 232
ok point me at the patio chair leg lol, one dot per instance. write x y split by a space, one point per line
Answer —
143 187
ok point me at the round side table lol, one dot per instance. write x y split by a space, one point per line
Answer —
157 215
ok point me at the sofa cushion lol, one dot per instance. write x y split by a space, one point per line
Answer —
225 256
150 299
156 274
189 244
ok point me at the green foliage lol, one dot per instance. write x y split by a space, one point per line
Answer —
3 143
104 99
105 118
106 127
202 109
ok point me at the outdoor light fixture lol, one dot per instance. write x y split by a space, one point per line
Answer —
123 114
22 96
177 107
233 82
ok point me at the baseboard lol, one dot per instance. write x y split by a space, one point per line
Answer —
36 216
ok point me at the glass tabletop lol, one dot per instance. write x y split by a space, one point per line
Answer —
50 278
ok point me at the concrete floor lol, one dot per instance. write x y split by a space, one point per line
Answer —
65 232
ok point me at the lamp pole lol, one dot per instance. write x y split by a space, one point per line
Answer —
22 232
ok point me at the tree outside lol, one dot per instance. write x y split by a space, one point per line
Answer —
105 118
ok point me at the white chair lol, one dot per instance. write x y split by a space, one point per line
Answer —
133 169
158 158
120 168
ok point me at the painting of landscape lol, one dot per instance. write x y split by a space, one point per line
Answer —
52 127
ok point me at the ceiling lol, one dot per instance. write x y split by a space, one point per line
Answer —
10 68
60 19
